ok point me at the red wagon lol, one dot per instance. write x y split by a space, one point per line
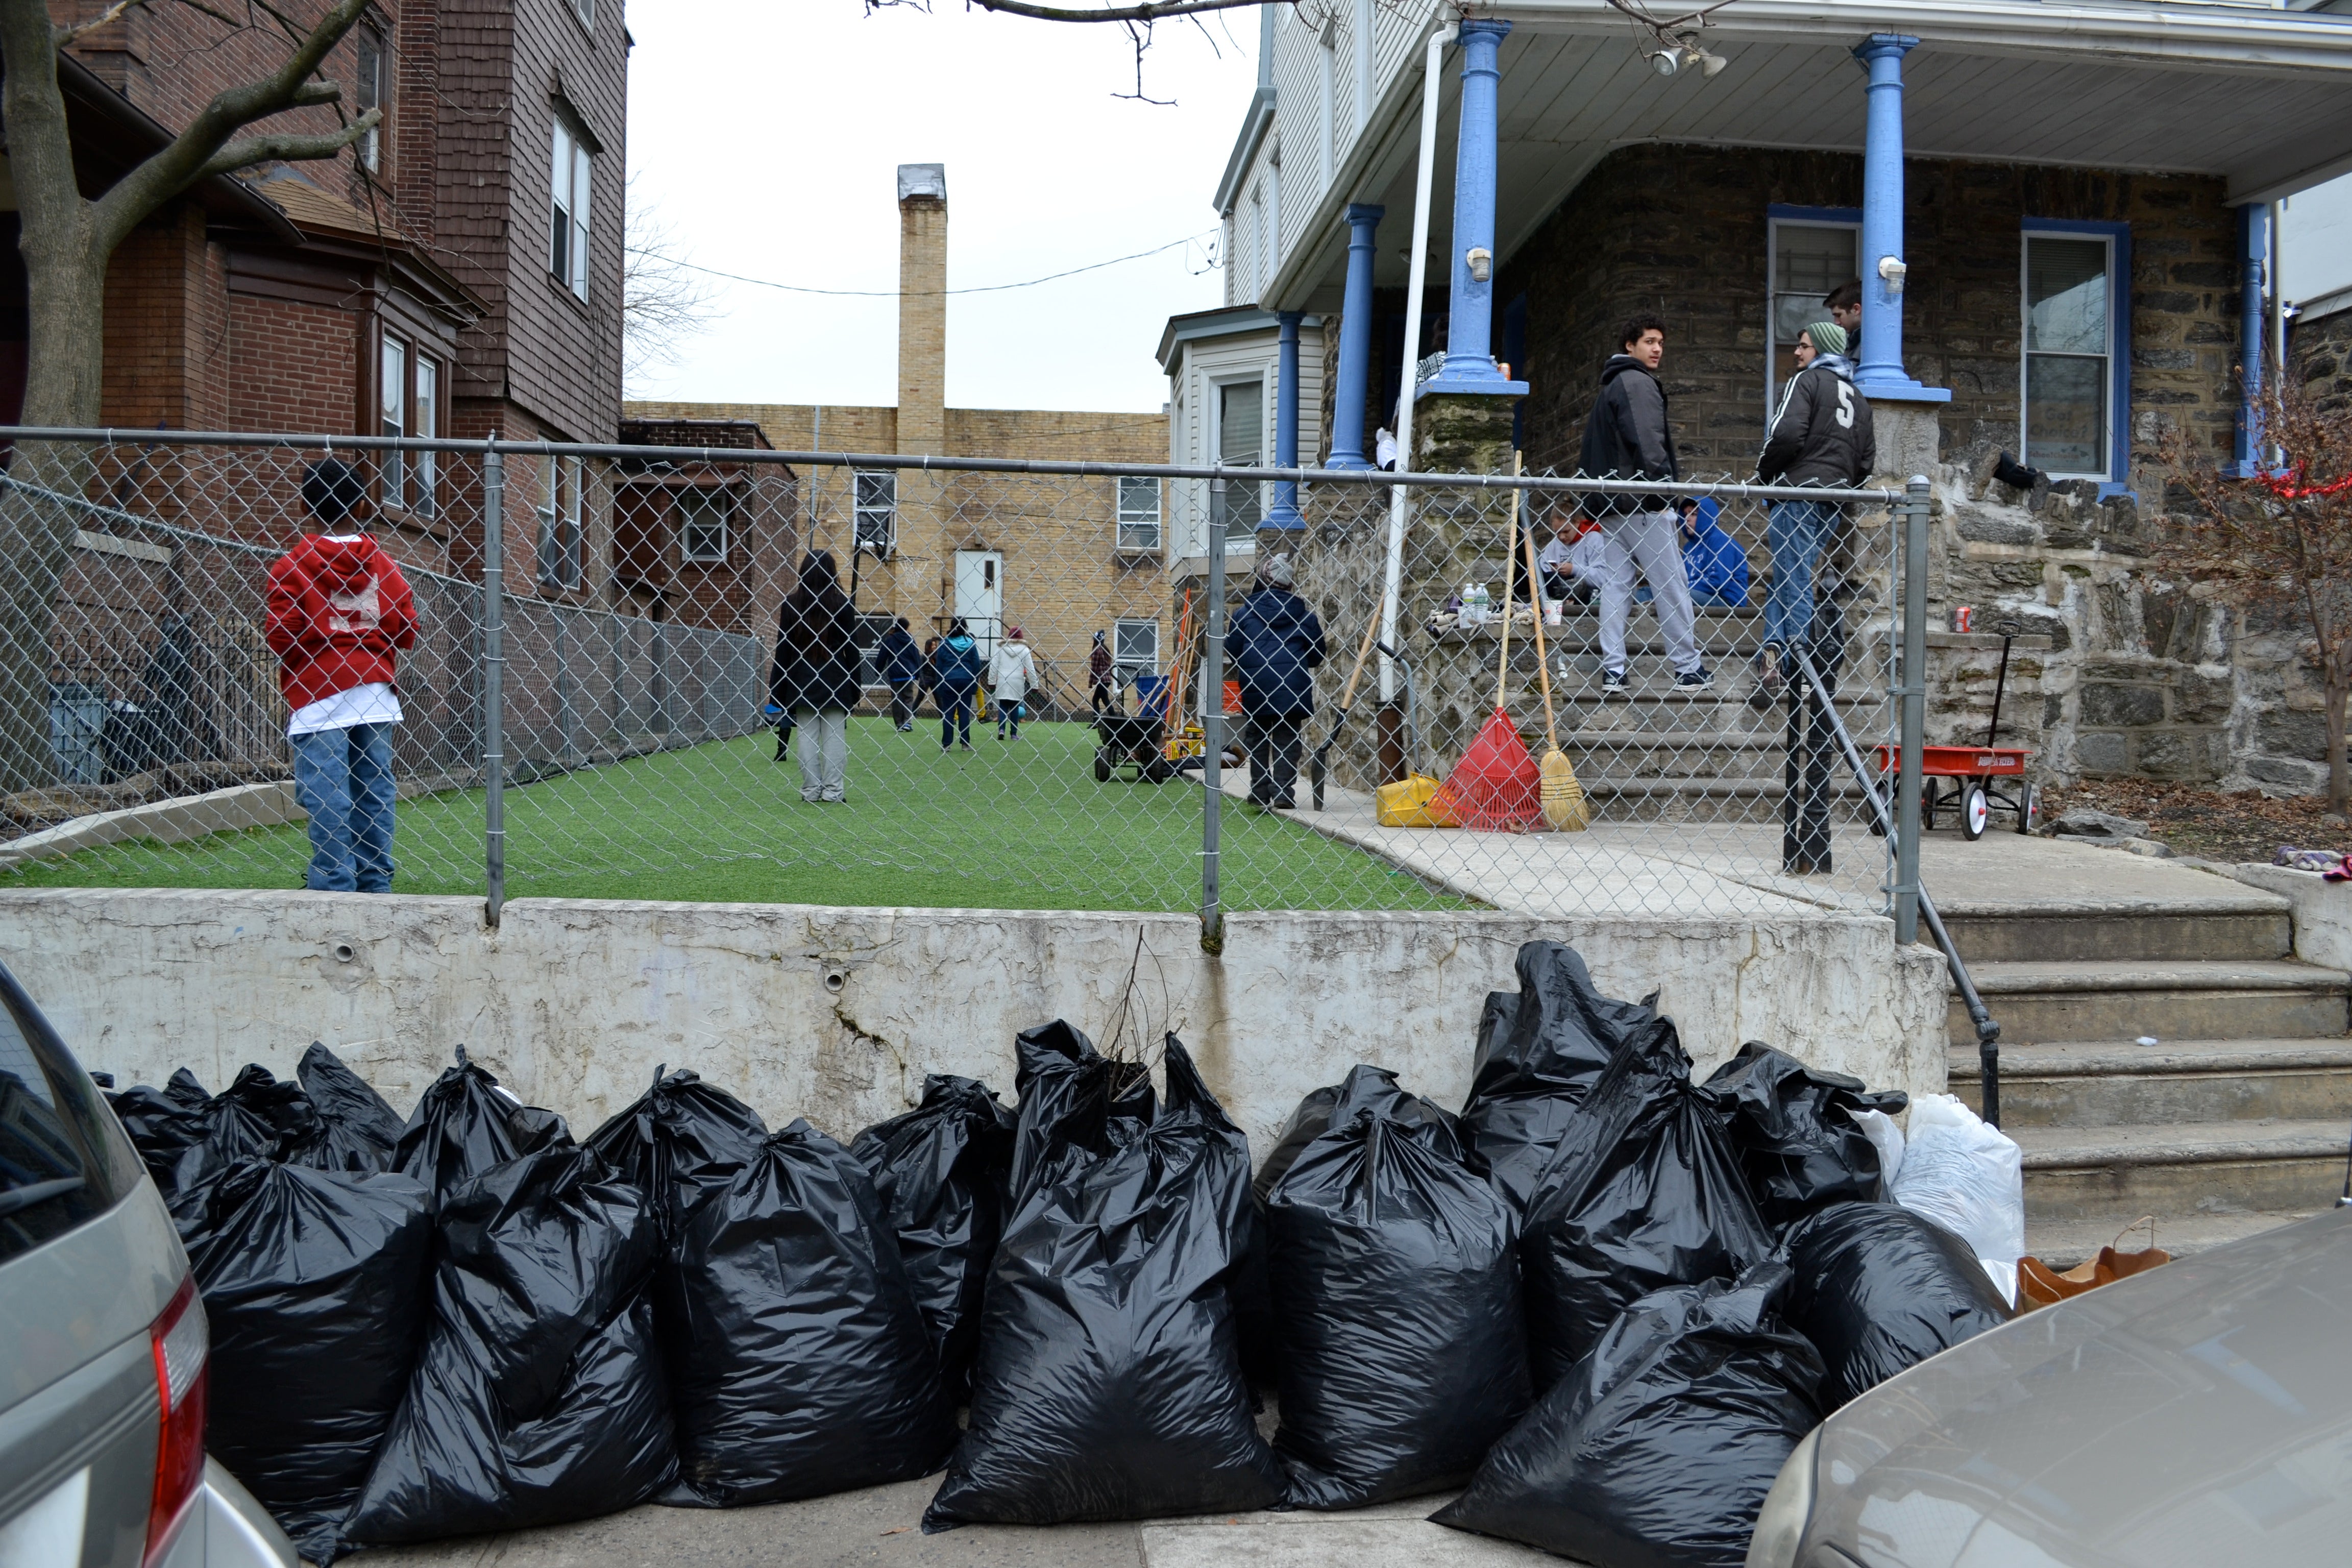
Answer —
1973 769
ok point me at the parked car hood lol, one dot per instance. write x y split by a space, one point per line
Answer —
2199 1414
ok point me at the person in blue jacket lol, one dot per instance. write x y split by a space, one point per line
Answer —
1275 643
955 676
1712 560
899 663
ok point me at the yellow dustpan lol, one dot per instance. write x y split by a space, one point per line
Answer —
1564 805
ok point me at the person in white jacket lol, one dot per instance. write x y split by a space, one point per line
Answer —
1012 671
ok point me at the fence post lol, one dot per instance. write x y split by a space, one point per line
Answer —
1212 726
494 763
1914 692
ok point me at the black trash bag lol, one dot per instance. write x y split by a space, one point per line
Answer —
1657 1449
1396 1297
1077 1106
256 1116
1794 1129
801 1363
1539 1054
162 1122
1338 1103
466 1125
314 1286
1880 1288
1108 1384
538 1397
1646 1193
357 1131
677 1142
942 1172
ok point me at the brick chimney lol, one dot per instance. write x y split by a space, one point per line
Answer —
922 307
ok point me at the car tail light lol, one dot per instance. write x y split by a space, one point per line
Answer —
180 1340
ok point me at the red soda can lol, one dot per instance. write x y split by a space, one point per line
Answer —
1964 619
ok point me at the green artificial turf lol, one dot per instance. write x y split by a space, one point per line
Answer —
1018 824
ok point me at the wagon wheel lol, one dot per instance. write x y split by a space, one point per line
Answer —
2029 802
1975 811
1102 767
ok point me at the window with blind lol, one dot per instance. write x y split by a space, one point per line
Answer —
567 254
2069 372
560 521
1809 259
1241 443
1138 513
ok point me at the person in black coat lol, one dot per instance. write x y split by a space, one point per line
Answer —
1275 643
815 678
901 664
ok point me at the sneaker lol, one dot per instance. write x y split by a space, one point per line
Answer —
1613 683
1767 679
1699 679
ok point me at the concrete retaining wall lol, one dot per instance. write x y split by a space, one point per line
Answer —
836 1013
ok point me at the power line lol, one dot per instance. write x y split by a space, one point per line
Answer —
983 288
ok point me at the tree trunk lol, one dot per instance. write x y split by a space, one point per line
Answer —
2339 796
66 296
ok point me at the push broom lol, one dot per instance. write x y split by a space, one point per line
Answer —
1495 787
1314 769
1564 805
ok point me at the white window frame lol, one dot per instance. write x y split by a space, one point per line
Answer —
874 522
1772 345
392 415
1328 98
1121 629
586 11
719 505
561 529
424 375
1139 525
370 62
2105 473
572 192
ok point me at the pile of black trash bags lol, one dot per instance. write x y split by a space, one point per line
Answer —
1602 1302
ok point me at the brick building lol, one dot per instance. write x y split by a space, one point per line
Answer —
1061 558
458 272
2059 215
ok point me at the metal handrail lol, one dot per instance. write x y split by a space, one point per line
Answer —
1988 1030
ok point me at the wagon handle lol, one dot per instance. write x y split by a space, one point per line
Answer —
2000 683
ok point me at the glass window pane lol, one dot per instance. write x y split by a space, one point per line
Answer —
2065 414
2066 296
427 423
392 400
1240 422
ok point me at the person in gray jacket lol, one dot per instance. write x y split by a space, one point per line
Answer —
1820 435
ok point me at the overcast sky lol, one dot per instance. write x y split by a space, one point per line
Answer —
767 137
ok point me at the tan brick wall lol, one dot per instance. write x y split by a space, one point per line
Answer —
1064 578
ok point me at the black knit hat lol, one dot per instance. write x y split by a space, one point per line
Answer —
332 491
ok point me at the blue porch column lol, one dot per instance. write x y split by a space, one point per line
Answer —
1470 312
2254 256
1880 372
1348 398
1283 513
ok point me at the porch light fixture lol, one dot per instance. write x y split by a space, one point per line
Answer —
1892 270
1481 262
1669 61
1672 58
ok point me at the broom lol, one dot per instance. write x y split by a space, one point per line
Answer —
1564 805
1339 721
1495 786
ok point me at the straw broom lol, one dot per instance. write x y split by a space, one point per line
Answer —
1564 805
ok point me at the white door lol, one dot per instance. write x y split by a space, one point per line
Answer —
980 594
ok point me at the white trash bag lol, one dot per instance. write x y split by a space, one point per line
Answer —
1968 1178
1886 1135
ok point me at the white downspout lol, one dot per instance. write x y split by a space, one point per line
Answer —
1391 582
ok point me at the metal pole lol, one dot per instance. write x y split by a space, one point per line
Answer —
494 763
1212 726
1392 575
1914 693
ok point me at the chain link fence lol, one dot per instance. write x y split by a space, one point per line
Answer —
587 709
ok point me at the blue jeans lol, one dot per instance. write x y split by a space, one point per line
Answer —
1795 533
1010 714
955 716
344 779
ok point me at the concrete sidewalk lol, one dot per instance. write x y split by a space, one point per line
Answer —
883 1525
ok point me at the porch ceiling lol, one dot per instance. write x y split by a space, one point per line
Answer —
1574 87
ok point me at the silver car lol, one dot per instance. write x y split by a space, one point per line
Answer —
2197 1415
102 1343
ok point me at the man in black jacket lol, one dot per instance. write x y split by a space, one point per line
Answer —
1276 643
1627 437
1821 435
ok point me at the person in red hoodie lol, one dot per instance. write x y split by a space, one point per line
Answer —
339 613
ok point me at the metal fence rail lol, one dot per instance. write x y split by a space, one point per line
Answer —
587 707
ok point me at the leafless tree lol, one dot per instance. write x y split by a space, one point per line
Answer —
66 239
2281 539
663 301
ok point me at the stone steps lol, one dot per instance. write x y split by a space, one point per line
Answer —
2122 999
2223 930
1668 798
2117 1173
2098 1084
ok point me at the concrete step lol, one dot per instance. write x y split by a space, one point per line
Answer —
2117 999
2223 930
1688 799
2120 1172
2179 1082
2063 1243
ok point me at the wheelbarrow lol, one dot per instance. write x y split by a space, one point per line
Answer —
1136 740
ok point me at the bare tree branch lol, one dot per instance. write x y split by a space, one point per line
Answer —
663 301
288 147
181 164
1143 11
111 15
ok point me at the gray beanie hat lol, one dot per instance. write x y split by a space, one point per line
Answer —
1274 570
1828 337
